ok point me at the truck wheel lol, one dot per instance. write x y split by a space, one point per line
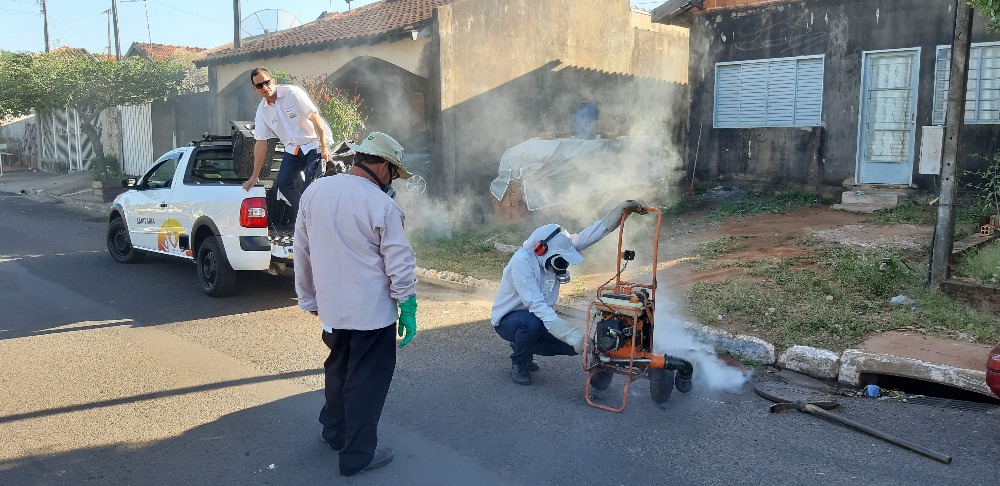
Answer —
661 384
120 245
216 276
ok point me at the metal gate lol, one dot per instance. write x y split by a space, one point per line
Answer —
137 139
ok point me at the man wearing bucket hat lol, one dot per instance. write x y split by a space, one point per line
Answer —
523 313
355 269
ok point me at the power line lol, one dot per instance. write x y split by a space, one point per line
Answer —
71 28
189 13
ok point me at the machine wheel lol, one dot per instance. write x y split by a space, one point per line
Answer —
216 276
416 184
682 385
120 245
601 380
661 384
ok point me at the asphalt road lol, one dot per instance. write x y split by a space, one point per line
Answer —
128 374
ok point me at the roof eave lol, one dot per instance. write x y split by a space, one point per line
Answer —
319 46
676 12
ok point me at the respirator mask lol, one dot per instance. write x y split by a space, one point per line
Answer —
386 188
560 266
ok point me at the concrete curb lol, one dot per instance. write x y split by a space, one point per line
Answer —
103 208
855 362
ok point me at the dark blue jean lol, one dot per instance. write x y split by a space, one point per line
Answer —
530 337
291 167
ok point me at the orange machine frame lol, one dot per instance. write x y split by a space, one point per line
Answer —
633 309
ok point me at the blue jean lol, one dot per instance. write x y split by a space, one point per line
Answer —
291 167
530 337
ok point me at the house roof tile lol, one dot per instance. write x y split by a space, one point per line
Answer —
159 52
380 18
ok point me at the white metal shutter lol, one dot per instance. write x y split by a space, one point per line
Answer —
775 93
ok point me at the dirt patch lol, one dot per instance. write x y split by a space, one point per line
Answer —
766 236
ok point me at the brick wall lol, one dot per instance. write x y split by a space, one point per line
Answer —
727 4
512 207
983 296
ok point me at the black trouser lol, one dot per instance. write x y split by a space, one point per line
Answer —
358 372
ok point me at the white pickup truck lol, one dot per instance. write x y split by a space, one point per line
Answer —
191 205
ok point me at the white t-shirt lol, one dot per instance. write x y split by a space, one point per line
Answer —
287 119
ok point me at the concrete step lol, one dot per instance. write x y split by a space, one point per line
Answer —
888 199
869 201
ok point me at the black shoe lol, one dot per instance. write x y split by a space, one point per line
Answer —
532 365
382 457
520 374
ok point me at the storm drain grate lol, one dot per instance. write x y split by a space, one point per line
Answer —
950 403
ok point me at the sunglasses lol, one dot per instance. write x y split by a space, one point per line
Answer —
261 84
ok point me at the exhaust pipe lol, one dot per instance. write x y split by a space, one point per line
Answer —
684 368
684 372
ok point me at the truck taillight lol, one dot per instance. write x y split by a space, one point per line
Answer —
253 213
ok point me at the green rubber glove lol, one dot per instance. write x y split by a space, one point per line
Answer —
407 320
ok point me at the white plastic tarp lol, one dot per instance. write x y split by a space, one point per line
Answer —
568 169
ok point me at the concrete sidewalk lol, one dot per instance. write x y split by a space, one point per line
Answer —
956 363
75 188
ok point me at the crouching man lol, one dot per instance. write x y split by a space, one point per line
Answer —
522 312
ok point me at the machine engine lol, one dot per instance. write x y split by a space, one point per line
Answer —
611 334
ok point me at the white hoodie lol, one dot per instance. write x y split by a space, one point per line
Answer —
527 284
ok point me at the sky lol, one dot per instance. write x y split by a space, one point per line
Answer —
195 23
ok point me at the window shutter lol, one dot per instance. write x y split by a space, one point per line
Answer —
772 93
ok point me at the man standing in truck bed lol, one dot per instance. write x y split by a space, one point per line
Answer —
286 112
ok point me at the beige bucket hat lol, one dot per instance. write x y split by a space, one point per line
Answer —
382 145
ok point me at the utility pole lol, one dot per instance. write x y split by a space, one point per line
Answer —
236 24
114 13
108 13
45 23
944 229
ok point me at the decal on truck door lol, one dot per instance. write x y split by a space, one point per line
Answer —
168 238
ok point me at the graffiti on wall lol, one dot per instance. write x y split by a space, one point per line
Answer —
781 37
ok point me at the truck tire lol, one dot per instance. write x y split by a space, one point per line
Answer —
216 276
120 244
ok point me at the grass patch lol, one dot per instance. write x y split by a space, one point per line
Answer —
835 303
905 213
759 202
469 253
982 264
710 250
966 217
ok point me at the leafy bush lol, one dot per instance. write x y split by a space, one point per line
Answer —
986 183
105 168
341 111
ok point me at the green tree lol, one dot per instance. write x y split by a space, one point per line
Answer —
990 11
89 84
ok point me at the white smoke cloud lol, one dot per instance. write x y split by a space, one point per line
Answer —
670 337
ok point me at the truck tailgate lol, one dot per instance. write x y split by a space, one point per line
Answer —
281 244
